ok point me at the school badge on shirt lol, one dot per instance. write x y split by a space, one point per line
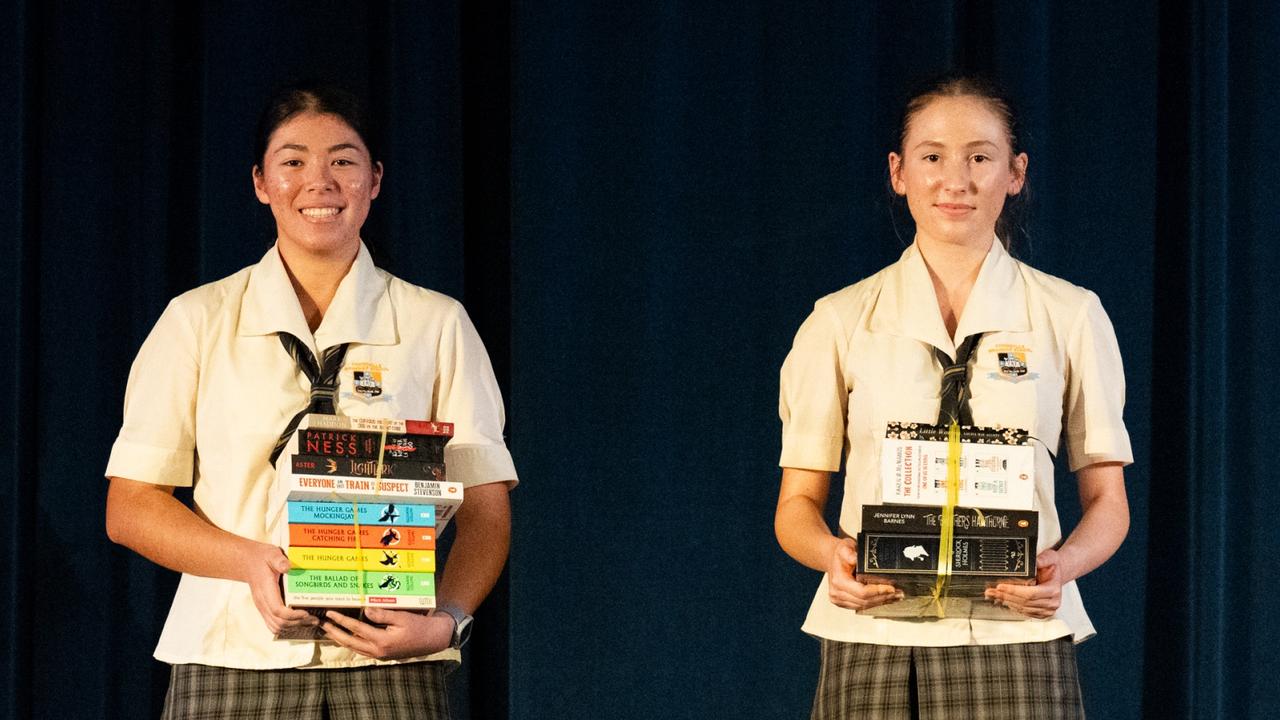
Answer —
1011 364
366 380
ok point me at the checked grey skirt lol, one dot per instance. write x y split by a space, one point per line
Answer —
1024 681
411 691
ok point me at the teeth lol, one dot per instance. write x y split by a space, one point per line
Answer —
320 212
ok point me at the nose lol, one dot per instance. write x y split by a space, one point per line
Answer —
319 176
955 177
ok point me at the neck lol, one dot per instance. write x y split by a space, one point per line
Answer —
953 267
315 279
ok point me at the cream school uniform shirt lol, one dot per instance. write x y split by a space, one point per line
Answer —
864 358
212 388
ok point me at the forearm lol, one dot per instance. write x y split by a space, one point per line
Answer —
150 521
1103 524
798 523
480 547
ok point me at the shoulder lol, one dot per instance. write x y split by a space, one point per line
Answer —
416 298
1058 296
422 312
849 306
199 304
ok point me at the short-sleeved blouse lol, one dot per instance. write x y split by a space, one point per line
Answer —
212 387
864 358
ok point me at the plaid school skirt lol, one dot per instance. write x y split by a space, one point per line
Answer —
1023 681
411 691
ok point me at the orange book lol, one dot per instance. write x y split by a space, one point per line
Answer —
372 537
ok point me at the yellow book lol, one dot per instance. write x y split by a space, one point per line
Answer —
371 559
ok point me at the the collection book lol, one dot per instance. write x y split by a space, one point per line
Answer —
997 466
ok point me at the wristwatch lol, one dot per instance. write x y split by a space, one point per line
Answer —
461 626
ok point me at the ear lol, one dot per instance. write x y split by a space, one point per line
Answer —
895 174
1018 166
260 186
377 180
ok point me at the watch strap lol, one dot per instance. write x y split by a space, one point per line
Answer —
461 625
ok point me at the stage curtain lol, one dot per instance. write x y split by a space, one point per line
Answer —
639 203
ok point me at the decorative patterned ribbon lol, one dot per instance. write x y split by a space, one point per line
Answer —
946 535
355 517
324 383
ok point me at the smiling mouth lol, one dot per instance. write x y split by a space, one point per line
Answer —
323 212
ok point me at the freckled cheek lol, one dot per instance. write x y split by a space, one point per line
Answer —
280 186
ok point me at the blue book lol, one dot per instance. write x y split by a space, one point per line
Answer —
379 513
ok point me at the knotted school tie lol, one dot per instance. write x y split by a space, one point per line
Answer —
955 383
324 383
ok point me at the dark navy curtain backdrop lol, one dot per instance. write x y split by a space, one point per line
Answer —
639 202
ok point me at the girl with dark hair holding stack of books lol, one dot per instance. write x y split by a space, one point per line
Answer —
212 390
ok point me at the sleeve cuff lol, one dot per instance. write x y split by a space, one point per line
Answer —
1114 447
479 464
150 464
811 452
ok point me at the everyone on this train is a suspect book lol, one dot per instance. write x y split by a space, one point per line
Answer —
300 486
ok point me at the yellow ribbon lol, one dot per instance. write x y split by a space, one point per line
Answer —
355 516
946 535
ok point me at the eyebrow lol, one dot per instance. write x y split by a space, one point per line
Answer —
972 143
303 148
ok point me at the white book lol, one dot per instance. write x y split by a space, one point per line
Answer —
370 424
914 471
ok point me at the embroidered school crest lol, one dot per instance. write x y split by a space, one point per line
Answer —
366 379
1011 364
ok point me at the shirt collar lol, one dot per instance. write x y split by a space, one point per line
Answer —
908 306
361 310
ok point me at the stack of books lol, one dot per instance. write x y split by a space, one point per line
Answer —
361 501
994 525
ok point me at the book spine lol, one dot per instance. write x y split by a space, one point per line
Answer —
370 445
347 422
914 472
995 557
318 512
336 588
354 600
367 490
968 433
368 560
968 521
370 536
394 469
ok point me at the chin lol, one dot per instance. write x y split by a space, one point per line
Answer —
325 246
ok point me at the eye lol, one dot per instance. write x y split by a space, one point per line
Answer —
932 157
292 163
981 158
343 162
